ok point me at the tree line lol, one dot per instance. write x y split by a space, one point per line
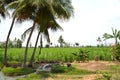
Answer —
16 43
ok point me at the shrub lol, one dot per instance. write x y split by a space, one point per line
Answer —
9 71
116 52
107 76
58 69
69 70
82 55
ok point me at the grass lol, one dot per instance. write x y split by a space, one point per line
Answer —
112 73
77 74
9 71
62 73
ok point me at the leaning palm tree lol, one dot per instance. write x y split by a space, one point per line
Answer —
18 15
53 25
115 34
2 10
55 8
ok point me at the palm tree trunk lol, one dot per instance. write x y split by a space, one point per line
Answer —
6 44
116 41
32 57
40 48
26 49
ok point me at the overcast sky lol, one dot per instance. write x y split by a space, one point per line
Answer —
91 20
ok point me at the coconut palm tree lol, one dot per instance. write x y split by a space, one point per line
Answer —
49 7
3 13
20 14
59 8
115 34
53 25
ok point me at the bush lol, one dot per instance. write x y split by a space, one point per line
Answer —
69 70
107 76
82 55
9 71
58 69
116 52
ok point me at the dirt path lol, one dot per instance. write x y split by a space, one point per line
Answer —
95 65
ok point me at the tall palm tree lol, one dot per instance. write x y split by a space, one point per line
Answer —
115 34
20 14
3 12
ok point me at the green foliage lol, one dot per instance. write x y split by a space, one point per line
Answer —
9 71
47 46
82 55
116 52
115 34
59 69
69 70
107 76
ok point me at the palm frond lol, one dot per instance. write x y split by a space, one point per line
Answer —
13 5
23 36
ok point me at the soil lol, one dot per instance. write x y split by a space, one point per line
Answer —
94 66
91 65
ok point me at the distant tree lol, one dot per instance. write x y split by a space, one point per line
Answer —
15 42
61 41
19 43
30 44
67 44
77 44
104 35
2 44
115 34
10 43
99 40
47 46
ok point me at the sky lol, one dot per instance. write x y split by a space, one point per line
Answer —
92 18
